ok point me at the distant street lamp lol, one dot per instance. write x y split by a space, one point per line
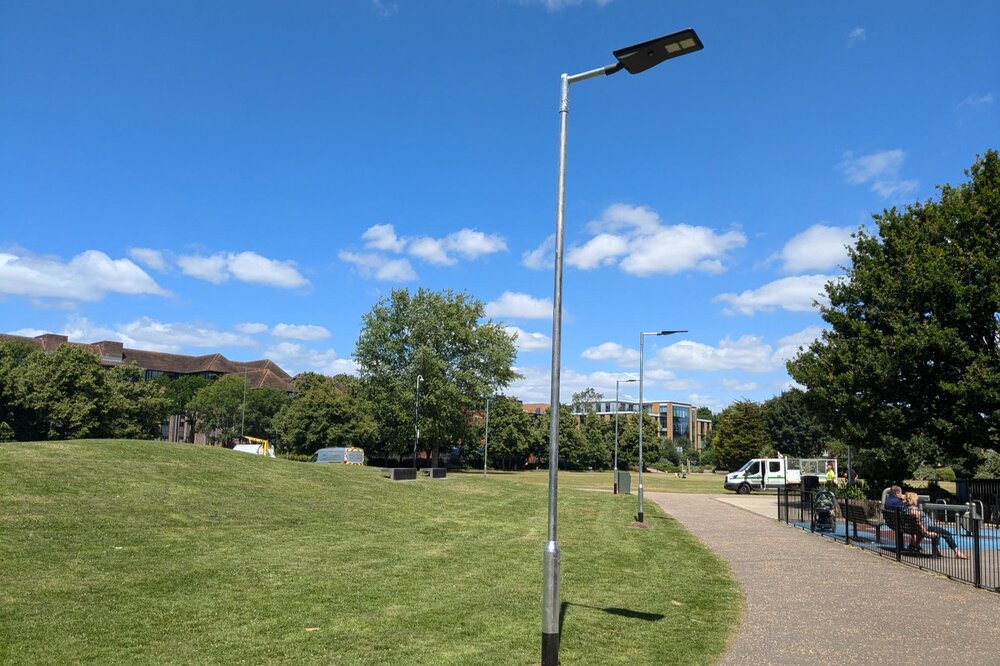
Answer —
416 421
617 405
486 443
636 58
642 338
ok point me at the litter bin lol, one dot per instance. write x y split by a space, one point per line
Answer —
810 482
624 482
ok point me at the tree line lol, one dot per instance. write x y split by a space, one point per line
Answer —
906 374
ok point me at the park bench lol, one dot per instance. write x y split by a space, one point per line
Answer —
910 525
399 473
855 512
434 472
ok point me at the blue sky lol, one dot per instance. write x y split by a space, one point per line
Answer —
251 177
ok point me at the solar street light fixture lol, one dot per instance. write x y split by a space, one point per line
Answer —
635 59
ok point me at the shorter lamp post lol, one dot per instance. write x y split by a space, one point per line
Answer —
486 442
416 421
642 338
617 406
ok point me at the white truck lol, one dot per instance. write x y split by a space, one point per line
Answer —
763 473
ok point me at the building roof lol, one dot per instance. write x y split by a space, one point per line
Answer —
264 373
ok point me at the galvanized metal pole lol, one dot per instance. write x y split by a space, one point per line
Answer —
615 467
416 421
486 444
642 338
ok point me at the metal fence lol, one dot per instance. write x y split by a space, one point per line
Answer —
971 526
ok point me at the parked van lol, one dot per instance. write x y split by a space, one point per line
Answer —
255 449
349 455
763 473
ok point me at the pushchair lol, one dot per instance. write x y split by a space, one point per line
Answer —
823 511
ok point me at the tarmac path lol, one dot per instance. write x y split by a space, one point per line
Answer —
810 600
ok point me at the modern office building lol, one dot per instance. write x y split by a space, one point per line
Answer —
676 420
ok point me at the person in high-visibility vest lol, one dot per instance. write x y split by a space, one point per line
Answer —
831 477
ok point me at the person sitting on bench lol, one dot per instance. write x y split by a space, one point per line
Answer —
930 529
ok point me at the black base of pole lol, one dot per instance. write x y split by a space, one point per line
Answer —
616 489
550 649
640 517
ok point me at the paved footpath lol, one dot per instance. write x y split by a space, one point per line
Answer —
810 600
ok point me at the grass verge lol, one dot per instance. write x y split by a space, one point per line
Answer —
124 552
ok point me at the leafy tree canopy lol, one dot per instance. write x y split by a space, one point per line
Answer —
909 370
442 338
740 434
792 426
585 401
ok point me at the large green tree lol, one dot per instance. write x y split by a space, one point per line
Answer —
740 434
17 421
133 408
227 408
585 401
444 339
628 440
511 433
323 414
909 370
793 427
63 393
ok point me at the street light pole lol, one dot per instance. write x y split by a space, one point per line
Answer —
642 414
416 421
486 444
617 406
636 58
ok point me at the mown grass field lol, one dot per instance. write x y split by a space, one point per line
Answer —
652 481
137 552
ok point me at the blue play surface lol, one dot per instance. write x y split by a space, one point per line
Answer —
989 537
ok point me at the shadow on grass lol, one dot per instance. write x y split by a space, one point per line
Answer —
622 612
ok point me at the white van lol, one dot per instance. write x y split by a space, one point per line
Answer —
763 473
255 449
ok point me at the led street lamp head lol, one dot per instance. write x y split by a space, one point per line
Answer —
640 57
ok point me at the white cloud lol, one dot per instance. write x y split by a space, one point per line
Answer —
818 248
558 5
534 385
385 9
300 332
467 243
635 239
795 294
747 353
295 358
527 342
430 250
857 35
977 100
520 306
542 256
87 277
790 345
612 351
152 258
379 267
243 266
251 267
251 328
601 250
878 170
153 335
472 244
211 269
382 237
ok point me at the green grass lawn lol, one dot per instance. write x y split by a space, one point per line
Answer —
137 552
652 481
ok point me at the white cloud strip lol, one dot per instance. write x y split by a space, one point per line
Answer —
243 266
300 332
818 248
520 306
794 294
86 277
880 171
634 239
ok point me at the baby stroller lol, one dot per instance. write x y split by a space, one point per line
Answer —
823 511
